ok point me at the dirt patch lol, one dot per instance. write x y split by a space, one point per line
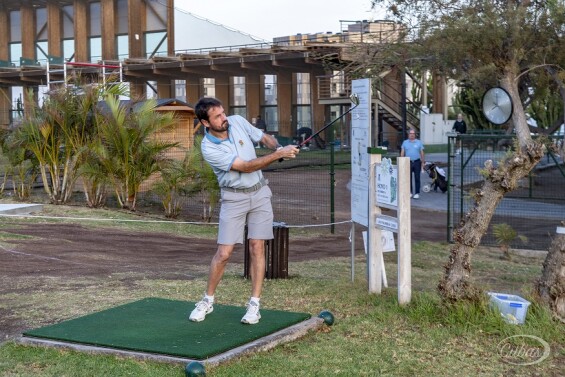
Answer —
75 252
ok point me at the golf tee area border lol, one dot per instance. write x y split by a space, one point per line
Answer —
263 344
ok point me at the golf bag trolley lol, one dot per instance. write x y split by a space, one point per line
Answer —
438 176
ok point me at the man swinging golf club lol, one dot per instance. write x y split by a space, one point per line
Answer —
228 146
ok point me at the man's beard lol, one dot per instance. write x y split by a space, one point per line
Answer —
224 127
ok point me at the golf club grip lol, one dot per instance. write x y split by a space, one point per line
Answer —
282 159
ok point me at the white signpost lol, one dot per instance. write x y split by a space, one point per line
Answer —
360 141
390 188
370 191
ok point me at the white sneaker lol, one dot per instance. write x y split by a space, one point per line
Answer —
410 195
202 308
417 196
252 316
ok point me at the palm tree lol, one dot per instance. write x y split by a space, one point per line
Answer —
175 176
59 133
189 177
129 152
42 134
22 168
94 177
204 182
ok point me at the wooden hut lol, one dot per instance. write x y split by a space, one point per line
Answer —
182 132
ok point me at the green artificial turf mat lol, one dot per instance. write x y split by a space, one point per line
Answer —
161 326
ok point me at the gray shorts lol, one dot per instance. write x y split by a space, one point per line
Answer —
237 209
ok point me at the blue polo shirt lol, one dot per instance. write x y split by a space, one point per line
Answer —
220 154
412 148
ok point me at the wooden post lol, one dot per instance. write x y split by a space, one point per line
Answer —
375 247
404 232
108 30
135 30
284 100
81 15
253 91
54 29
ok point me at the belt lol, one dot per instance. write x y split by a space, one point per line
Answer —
255 187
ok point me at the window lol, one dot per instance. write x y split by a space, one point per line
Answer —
237 93
156 15
180 90
95 40
238 111
155 44
209 87
122 16
303 116
15 27
41 23
95 49
303 89
68 49
271 117
237 96
151 89
122 46
95 23
302 110
270 90
15 53
41 43
41 50
68 22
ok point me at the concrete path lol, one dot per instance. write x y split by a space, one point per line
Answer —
509 206
20 209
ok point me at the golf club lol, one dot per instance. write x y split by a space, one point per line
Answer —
354 98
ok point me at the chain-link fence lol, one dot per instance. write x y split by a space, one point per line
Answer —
306 190
532 210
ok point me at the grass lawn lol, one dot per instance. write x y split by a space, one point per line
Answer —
372 335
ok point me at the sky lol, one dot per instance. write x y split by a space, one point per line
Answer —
267 19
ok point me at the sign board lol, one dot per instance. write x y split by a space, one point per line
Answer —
387 240
360 141
387 184
387 223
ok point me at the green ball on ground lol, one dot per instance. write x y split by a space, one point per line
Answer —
194 368
327 316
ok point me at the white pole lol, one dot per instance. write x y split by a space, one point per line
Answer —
404 232
375 247
48 76
352 235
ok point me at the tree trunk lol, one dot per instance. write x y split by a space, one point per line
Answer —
456 284
551 285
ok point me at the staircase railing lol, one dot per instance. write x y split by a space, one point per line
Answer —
387 94
390 96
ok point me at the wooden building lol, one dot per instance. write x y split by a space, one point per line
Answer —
184 128
45 42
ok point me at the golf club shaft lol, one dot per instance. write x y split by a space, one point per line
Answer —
326 126
323 128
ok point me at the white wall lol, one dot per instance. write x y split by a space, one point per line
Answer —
433 128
